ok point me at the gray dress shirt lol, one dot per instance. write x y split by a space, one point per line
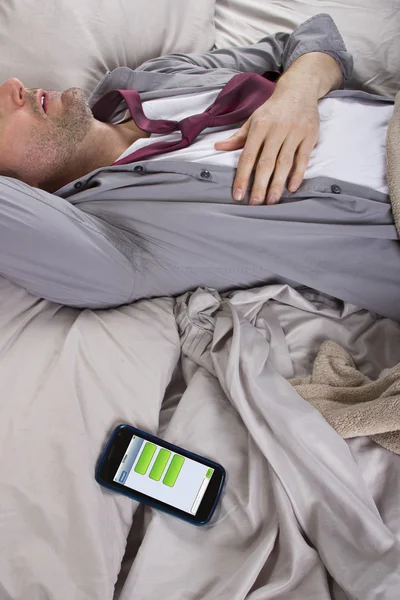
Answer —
161 228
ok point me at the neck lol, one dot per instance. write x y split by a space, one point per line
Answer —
101 148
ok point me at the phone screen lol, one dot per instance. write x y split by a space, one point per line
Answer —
164 475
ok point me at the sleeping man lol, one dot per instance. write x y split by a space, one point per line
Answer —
202 170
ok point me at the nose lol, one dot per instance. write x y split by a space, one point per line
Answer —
13 88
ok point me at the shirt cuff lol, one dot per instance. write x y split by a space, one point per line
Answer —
318 34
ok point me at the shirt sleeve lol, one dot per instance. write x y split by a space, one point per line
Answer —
58 252
271 53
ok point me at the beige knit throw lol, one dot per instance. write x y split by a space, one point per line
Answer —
393 161
351 403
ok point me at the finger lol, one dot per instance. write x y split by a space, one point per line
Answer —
283 167
301 162
247 160
266 165
235 141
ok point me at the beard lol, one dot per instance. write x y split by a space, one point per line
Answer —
53 142
74 125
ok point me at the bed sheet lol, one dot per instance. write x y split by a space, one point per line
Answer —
67 377
380 470
309 318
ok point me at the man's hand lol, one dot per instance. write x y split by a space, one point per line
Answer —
278 139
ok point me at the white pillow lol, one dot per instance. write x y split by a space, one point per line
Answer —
370 29
57 44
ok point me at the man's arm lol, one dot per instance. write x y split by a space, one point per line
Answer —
58 252
272 53
280 135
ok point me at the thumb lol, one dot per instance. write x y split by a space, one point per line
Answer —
236 141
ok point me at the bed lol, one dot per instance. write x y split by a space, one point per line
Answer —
68 376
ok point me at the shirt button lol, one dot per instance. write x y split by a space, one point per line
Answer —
78 185
205 174
138 169
336 189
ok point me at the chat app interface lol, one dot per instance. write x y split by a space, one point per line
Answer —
164 475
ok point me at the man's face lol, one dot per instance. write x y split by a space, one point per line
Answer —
36 144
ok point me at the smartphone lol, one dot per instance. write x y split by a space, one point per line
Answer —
160 474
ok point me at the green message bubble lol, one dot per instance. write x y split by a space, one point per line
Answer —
173 471
145 458
159 464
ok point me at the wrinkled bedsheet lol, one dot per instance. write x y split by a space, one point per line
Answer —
304 514
297 506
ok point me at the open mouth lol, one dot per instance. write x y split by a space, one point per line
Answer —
43 100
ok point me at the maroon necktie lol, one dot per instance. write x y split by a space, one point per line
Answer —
237 101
